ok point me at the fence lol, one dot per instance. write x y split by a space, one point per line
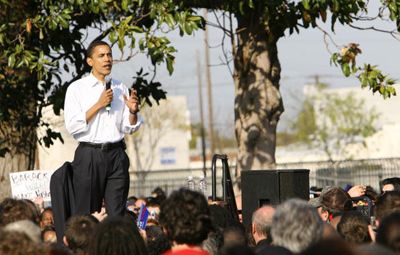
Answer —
322 173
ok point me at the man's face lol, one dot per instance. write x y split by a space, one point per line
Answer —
101 61
387 187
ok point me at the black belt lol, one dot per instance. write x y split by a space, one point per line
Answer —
105 146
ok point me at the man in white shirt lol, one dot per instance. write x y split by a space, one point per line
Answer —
98 118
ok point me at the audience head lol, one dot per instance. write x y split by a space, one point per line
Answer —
130 203
117 236
18 243
388 233
138 204
159 194
335 201
49 234
296 225
46 218
234 235
371 193
25 226
386 204
79 230
353 227
390 184
153 206
185 217
213 243
157 242
261 223
12 210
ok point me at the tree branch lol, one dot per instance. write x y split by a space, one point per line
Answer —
393 32
208 4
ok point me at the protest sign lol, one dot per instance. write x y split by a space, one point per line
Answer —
31 184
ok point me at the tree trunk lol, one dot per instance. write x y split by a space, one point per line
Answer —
258 102
11 163
20 139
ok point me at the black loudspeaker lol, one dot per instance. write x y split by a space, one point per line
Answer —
260 187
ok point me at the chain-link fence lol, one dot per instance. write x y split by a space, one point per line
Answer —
322 173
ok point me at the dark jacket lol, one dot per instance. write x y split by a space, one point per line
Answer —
62 197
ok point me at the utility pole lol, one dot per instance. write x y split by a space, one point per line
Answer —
209 92
203 141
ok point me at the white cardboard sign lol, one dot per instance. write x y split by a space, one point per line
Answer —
31 184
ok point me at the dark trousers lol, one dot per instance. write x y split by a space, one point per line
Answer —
98 175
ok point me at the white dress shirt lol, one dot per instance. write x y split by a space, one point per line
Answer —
105 126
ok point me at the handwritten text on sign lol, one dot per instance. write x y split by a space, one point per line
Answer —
31 184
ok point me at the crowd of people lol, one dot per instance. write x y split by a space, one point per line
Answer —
355 221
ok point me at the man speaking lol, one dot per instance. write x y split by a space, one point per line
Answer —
98 116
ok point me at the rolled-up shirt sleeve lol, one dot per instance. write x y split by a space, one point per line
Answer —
128 128
74 115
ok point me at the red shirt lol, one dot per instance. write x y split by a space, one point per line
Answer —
187 251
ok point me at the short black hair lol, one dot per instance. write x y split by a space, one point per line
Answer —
78 232
94 44
395 181
117 236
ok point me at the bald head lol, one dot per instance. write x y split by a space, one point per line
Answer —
261 222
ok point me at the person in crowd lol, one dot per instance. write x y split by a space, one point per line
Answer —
296 225
18 243
353 227
261 223
388 232
46 218
48 234
79 230
156 241
386 204
159 194
98 116
117 236
234 235
390 184
138 204
153 206
371 194
214 242
334 201
25 226
185 217
12 210
130 203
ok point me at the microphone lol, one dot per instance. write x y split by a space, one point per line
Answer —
108 86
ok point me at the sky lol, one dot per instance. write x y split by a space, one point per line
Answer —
303 56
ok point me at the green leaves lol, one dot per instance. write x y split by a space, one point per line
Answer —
373 78
368 75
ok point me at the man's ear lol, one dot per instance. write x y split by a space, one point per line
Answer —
65 241
324 215
253 228
89 61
